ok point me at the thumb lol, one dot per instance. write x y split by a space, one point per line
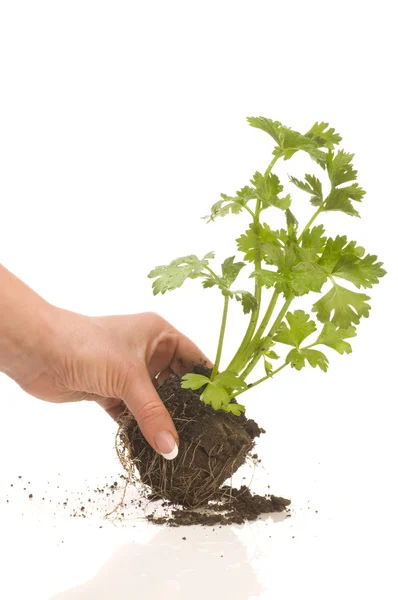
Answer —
153 418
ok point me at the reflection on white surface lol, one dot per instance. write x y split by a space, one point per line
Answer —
193 568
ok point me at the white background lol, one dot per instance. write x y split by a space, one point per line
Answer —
120 124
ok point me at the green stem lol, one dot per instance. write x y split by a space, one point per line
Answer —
252 385
216 277
267 342
221 339
235 362
264 323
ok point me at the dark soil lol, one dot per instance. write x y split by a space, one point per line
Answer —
213 445
233 507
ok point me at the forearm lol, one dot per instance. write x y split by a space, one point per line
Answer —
25 326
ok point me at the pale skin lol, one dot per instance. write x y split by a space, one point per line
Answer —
117 361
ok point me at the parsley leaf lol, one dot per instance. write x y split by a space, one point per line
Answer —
312 243
347 306
345 260
340 170
249 303
267 190
230 270
312 186
216 395
335 338
324 137
300 279
172 276
231 204
231 380
194 381
300 327
296 358
289 141
253 242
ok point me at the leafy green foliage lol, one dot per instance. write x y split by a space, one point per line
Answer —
312 186
269 355
256 240
249 303
231 204
313 243
288 262
217 393
230 270
172 276
289 141
194 381
296 358
299 328
335 338
347 307
324 136
345 260
268 189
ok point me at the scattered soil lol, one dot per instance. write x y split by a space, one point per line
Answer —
213 445
233 507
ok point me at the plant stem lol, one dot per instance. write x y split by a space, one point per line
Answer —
221 339
235 362
262 326
267 342
216 277
252 385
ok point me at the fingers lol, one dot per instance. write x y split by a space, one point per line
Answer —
163 376
151 414
187 355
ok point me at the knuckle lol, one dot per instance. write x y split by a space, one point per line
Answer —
150 412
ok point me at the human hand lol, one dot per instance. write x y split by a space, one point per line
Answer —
117 361
60 356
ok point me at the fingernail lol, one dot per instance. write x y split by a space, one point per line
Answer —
166 444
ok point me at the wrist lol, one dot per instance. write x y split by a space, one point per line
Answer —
27 325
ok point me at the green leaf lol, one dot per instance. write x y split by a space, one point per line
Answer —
345 260
339 199
269 367
363 272
312 243
289 141
307 277
255 241
324 137
312 186
300 327
296 358
267 278
215 395
300 279
172 276
234 408
267 125
269 354
347 307
340 168
231 204
267 190
230 270
291 220
249 303
335 338
192 381
230 379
